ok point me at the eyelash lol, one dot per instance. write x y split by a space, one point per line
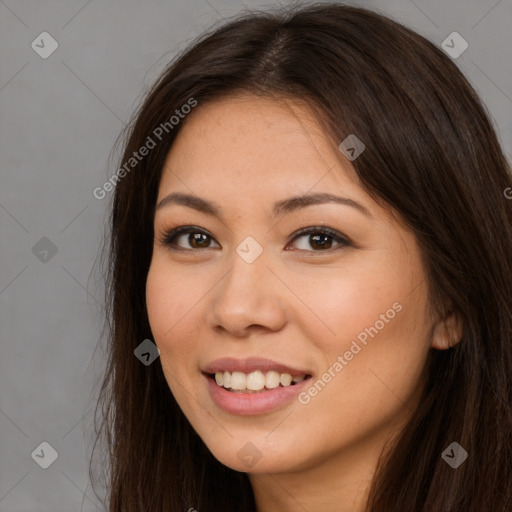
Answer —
169 238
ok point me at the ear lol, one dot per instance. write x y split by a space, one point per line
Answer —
447 332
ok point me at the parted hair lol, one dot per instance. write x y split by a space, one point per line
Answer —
431 154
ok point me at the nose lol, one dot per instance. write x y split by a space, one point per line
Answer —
249 297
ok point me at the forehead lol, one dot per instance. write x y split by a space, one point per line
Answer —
256 141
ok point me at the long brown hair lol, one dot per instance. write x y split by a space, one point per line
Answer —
432 155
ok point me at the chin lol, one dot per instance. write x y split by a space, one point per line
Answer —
251 454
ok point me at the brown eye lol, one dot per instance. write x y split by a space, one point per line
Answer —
321 239
196 239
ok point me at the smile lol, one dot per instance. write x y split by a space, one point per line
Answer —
253 385
256 381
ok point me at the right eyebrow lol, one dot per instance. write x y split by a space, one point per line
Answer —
195 202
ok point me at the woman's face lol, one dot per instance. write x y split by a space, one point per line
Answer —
247 296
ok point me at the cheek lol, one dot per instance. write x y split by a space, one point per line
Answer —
170 304
343 304
378 361
376 324
169 298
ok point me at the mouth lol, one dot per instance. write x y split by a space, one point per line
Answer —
231 390
256 381
254 385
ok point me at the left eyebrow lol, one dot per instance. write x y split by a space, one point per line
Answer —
294 203
280 208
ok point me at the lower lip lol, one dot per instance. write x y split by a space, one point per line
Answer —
253 403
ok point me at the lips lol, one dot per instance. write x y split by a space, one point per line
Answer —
260 385
252 364
245 403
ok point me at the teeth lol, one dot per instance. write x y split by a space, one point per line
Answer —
255 381
286 379
272 380
238 380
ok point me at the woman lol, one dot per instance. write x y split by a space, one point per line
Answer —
309 223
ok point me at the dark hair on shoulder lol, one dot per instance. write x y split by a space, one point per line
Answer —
432 155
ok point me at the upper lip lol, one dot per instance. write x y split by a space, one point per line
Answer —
251 364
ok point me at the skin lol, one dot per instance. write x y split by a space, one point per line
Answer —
297 303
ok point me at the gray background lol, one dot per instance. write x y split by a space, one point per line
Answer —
59 118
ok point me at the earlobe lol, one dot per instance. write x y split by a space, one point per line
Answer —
447 332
